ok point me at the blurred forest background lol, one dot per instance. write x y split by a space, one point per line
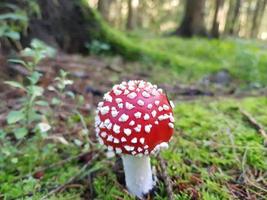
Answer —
239 18
59 57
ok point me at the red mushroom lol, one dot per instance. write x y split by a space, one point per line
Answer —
135 120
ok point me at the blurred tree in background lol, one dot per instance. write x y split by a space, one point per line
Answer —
48 21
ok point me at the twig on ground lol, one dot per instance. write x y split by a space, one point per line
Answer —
166 178
253 122
71 180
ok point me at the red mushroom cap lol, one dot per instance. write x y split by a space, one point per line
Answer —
135 118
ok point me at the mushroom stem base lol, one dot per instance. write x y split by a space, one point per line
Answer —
138 174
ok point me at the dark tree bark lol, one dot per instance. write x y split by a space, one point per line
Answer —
103 7
63 24
257 17
129 24
232 17
215 23
193 20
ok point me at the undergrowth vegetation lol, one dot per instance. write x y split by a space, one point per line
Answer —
214 154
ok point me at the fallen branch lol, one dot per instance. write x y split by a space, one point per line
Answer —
253 122
166 178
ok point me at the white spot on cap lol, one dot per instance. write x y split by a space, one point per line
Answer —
118 100
132 95
116 141
123 118
160 108
172 104
120 105
127 131
104 110
149 106
114 113
154 113
157 102
107 97
160 90
128 148
146 117
110 138
138 115
116 128
162 117
103 134
139 149
118 150
138 128
166 107
171 118
134 140
109 126
129 106
157 122
100 104
117 92
146 147
126 92
140 102
148 128
142 140
131 88
123 139
145 94
122 87
171 125
132 123
154 92
133 152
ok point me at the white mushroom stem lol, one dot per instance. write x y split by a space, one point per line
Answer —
138 174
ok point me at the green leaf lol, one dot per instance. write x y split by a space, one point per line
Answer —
18 62
55 101
13 16
34 78
11 34
2 134
20 133
15 84
35 91
15 116
42 103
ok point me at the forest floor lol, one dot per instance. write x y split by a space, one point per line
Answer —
218 152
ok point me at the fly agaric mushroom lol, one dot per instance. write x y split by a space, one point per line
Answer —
135 120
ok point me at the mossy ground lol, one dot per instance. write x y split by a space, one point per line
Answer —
215 153
213 150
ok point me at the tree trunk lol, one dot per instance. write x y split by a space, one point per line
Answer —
103 7
129 24
64 24
193 20
232 17
215 24
257 17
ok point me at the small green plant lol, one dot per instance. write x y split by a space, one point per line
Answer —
14 19
97 47
33 93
